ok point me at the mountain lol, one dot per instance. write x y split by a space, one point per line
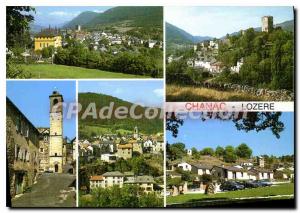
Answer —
138 16
82 19
147 126
287 25
35 28
176 35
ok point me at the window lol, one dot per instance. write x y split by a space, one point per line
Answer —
55 101
55 154
41 150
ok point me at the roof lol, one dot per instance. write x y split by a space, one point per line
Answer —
125 146
96 177
260 170
128 174
113 174
230 168
202 166
144 179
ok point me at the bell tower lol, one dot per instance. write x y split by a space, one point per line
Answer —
56 133
136 132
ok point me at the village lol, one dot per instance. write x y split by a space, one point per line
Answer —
205 57
101 41
206 52
212 175
111 148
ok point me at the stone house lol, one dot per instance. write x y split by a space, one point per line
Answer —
96 181
124 151
229 173
113 178
201 169
44 149
22 149
144 182
262 174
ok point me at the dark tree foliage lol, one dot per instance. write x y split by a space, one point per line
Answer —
257 121
17 23
173 123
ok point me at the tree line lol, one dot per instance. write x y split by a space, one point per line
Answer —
229 153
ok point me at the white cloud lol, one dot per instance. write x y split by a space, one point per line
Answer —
98 11
159 92
64 14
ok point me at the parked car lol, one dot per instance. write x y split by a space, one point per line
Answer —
231 186
251 184
264 183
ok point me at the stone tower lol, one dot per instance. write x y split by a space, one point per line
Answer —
136 133
261 161
56 133
267 24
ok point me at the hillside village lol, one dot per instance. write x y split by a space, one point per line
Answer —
112 149
206 52
193 174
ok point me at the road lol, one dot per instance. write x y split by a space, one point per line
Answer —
51 190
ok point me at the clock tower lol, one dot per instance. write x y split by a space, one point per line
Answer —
56 133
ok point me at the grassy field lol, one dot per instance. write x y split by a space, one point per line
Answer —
61 71
89 130
190 93
282 189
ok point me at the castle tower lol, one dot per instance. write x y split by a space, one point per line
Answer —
56 131
267 23
136 133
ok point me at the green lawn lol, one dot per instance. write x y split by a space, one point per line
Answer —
282 189
61 71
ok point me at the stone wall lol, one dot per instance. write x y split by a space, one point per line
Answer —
22 150
272 95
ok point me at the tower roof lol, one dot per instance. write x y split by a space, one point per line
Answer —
55 93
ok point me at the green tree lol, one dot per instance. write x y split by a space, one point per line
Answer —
243 151
219 151
229 155
207 151
17 24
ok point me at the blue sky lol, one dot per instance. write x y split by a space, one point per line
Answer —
32 98
211 133
57 16
218 21
145 93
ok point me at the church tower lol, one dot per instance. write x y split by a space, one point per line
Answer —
56 133
136 133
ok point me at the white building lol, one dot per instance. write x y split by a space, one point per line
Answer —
238 66
200 169
151 43
109 158
185 166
